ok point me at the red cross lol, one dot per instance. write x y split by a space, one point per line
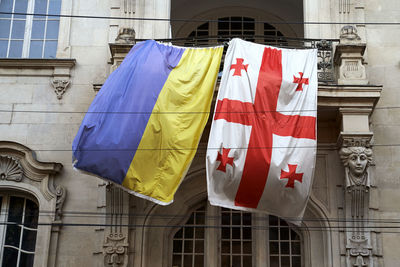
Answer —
238 67
264 124
291 176
225 159
300 81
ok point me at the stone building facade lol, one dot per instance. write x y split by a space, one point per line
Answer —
51 69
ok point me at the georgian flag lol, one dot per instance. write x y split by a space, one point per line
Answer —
262 145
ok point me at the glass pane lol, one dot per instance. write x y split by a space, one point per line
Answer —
13 234
225 260
38 29
200 218
199 232
54 7
40 7
15 49
273 233
199 261
31 214
226 219
5 28
285 261
236 219
176 261
187 260
246 219
16 206
284 247
29 240
226 233
50 49
35 50
247 233
3 48
274 248
191 219
26 260
296 261
188 246
273 220
225 247
177 247
294 235
10 257
247 262
199 246
284 233
235 232
274 262
188 232
295 248
18 29
236 247
20 7
236 261
247 247
6 6
179 234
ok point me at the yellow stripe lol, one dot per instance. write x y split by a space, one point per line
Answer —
163 157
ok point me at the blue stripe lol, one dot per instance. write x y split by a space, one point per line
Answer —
113 127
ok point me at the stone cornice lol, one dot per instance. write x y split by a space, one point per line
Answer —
339 96
37 63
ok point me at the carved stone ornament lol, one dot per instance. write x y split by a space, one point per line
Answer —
10 169
126 36
348 35
115 249
61 194
60 86
356 160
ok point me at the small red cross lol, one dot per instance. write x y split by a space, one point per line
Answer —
238 67
225 159
300 80
291 176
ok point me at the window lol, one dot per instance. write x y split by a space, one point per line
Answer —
23 36
18 233
240 240
242 27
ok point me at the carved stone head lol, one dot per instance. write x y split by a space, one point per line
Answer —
357 159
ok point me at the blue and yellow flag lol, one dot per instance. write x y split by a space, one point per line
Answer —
141 128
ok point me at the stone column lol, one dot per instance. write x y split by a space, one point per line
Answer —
360 241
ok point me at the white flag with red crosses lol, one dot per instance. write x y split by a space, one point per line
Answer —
262 145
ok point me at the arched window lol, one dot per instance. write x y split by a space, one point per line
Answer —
242 27
242 237
18 233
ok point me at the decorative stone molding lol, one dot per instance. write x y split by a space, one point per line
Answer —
115 246
21 172
349 57
10 169
121 47
125 36
58 69
356 160
59 87
115 249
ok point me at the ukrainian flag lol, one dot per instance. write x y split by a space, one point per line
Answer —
143 127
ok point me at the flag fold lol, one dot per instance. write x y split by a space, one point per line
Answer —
262 144
143 127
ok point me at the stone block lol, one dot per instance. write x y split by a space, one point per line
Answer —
5 117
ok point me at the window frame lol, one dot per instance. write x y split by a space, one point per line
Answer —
6 196
27 40
213 237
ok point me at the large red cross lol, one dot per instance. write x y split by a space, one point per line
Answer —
265 122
